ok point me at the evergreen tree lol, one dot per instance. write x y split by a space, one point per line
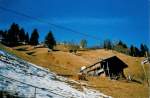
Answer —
142 50
22 35
27 38
146 50
4 37
13 35
121 47
34 37
1 35
137 52
1 32
50 40
132 50
122 44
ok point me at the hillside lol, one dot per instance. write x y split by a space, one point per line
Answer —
68 64
26 80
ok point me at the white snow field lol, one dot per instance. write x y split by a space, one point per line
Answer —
31 81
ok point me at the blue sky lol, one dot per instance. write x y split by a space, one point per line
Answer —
125 20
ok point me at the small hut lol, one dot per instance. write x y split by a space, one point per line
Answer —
110 67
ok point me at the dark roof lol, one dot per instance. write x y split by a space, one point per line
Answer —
115 58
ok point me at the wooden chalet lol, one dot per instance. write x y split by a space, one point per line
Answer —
110 67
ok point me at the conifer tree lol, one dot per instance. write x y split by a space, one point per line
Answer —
22 35
34 37
27 38
13 35
50 40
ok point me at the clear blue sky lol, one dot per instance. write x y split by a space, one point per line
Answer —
125 20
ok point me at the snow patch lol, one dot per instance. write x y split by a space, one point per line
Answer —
33 80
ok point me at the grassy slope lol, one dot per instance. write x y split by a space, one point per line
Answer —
65 63
116 88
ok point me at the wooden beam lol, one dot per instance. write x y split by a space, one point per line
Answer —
108 69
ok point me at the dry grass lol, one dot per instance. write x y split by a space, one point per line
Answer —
67 64
119 89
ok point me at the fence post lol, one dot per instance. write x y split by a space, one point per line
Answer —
35 93
145 75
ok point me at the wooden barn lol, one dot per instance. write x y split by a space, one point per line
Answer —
110 67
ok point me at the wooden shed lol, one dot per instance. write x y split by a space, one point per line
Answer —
110 67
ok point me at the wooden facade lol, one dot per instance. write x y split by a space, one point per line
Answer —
112 67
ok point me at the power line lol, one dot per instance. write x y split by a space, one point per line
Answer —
36 87
52 24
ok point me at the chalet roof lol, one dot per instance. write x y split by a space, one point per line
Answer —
108 59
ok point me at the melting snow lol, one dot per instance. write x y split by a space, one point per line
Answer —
48 84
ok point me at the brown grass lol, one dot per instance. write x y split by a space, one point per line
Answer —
119 89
